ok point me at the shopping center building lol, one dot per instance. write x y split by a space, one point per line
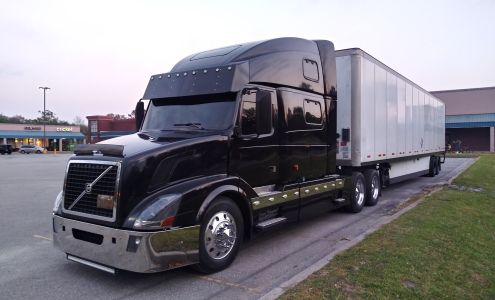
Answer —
57 137
470 118
106 127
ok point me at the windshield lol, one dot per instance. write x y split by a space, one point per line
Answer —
203 112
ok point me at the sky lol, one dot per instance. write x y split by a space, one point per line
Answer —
97 56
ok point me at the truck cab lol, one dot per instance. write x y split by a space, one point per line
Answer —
234 141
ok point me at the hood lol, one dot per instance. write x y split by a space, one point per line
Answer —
156 160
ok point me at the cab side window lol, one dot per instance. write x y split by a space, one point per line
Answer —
302 113
256 113
312 112
248 114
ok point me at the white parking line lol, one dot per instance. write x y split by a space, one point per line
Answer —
41 237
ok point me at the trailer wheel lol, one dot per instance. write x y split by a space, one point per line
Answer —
373 187
432 169
357 193
221 234
437 165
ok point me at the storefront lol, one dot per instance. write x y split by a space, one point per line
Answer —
57 137
106 127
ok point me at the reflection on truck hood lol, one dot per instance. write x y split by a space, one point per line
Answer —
138 143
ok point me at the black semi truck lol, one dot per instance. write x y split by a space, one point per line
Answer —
239 140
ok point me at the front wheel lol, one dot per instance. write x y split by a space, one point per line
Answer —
222 231
23 152
38 151
357 193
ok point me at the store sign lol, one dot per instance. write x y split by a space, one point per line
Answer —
65 129
32 128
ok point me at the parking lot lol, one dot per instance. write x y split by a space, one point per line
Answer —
32 268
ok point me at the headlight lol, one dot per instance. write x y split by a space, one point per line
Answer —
58 200
160 214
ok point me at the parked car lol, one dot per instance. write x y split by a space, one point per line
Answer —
31 149
5 149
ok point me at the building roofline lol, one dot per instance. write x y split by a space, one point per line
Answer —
99 117
465 90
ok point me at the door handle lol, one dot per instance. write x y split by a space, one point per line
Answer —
272 169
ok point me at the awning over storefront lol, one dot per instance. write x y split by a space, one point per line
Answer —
39 134
470 121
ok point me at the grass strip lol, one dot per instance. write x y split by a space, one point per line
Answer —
442 249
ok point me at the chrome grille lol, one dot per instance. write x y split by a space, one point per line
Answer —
79 175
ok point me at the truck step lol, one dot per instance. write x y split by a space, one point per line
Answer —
270 223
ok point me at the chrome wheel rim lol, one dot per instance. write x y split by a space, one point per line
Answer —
220 235
375 187
359 193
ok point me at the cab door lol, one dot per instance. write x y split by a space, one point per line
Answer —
255 146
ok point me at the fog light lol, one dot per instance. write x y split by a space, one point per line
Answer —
104 201
133 243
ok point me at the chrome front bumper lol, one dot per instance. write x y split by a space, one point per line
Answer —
143 252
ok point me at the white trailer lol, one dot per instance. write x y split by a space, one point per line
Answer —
384 119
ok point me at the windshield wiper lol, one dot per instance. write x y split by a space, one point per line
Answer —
195 125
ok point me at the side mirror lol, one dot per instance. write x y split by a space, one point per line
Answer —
263 112
139 114
237 131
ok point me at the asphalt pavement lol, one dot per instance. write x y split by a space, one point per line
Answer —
31 268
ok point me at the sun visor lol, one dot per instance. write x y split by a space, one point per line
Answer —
213 80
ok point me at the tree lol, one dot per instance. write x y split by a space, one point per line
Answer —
50 117
122 117
83 125
17 119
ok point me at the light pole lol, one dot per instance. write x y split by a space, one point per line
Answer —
44 88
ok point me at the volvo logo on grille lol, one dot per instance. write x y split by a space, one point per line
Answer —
88 188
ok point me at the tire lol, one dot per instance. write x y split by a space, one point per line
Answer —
357 193
431 170
373 187
38 151
220 215
23 152
437 165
